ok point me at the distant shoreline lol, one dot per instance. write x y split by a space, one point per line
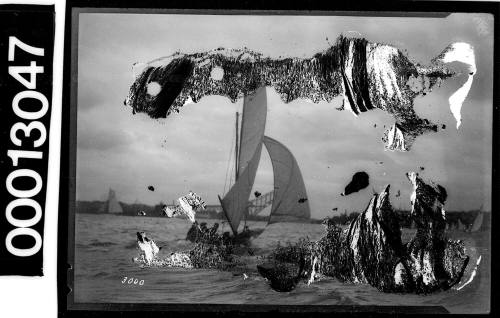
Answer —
455 219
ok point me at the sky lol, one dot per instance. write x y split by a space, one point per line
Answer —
191 150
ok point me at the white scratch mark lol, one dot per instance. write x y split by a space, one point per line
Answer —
473 274
460 52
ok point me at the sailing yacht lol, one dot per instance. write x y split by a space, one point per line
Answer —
288 203
111 205
478 221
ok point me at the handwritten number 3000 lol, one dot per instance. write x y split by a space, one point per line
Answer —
132 280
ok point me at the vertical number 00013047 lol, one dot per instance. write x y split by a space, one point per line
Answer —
24 197
132 281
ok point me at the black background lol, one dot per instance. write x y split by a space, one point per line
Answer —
33 25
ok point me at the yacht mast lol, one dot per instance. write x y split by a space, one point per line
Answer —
237 156
236 153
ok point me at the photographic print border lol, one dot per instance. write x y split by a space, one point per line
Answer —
67 307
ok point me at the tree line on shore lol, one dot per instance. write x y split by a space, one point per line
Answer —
453 218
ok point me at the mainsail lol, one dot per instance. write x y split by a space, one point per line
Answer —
235 202
112 205
253 124
290 197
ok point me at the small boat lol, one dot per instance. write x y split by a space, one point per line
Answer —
478 222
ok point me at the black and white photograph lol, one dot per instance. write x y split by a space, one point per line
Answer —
276 158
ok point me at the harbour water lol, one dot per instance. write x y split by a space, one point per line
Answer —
105 246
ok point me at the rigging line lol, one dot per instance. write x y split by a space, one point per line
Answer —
231 176
231 179
229 162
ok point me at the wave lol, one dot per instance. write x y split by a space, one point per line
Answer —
101 244
100 274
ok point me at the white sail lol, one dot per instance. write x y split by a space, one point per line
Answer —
290 201
112 205
478 222
253 123
235 202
